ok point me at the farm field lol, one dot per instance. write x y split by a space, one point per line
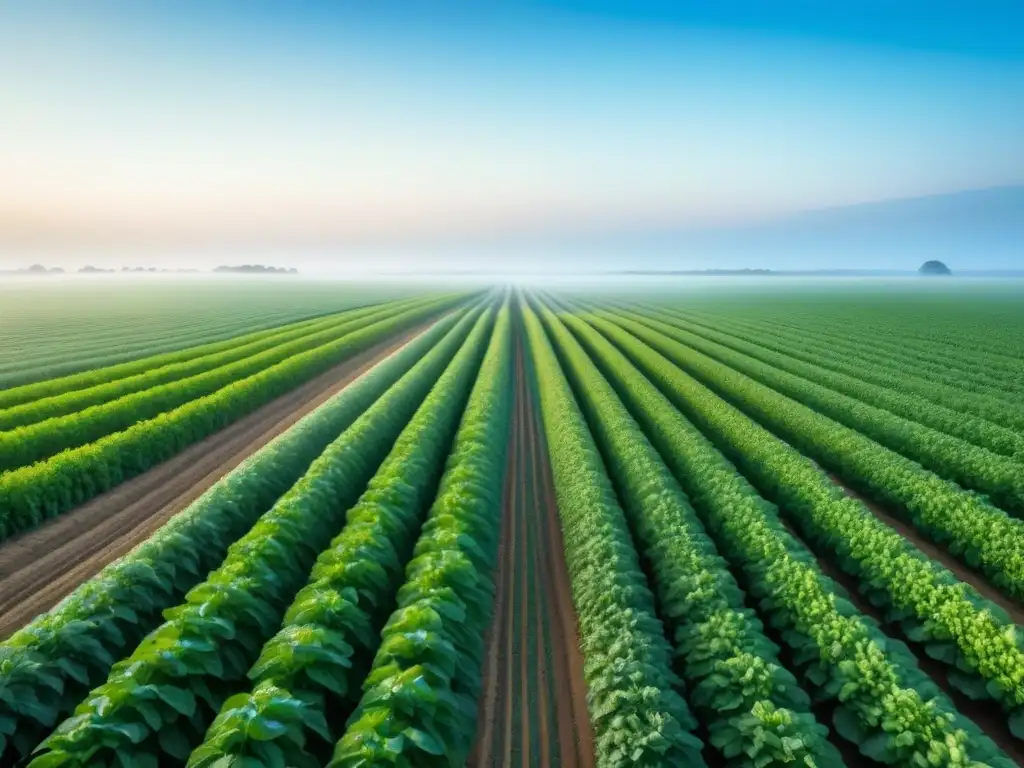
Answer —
512 527
51 326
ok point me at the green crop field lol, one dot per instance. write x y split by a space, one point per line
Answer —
50 326
701 526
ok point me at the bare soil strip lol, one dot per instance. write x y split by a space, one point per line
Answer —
40 567
533 708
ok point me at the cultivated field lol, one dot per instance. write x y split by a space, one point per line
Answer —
525 527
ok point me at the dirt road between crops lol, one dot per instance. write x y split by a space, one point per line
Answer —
533 708
40 567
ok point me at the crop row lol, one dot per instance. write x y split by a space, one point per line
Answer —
72 399
83 352
162 698
46 489
981 432
48 666
1000 477
37 441
950 381
882 702
38 390
981 535
313 666
738 687
55 331
636 711
419 702
957 626
907 330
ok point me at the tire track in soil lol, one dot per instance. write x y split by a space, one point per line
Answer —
533 707
42 566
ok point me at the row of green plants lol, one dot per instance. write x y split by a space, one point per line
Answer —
978 431
945 331
958 358
307 676
981 535
81 351
638 716
419 701
923 599
91 330
72 400
49 488
157 704
880 700
955 382
755 712
34 442
48 666
998 476
38 390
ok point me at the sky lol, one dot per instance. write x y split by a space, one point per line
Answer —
340 129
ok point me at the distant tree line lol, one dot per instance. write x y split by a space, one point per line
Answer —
258 269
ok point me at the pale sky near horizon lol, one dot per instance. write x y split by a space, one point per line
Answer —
345 123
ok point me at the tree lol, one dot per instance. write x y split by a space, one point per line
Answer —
934 268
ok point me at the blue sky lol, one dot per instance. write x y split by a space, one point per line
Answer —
410 125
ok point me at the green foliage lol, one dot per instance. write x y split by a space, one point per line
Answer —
889 708
72 398
419 702
332 628
70 334
1001 477
47 667
638 716
956 373
208 643
37 441
754 709
925 598
32 494
870 382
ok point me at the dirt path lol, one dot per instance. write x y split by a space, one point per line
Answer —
38 568
533 708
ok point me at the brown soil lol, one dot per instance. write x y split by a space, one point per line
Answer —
533 709
40 567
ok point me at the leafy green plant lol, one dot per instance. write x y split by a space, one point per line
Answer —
754 709
815 408
29 495
888 707
330 632
72 400
638 715
959 626
419 702
47 667
208 643
36 441
873 383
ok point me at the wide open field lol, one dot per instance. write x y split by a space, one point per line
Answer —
543 527
51 326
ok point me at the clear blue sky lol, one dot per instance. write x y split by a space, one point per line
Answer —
369 124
